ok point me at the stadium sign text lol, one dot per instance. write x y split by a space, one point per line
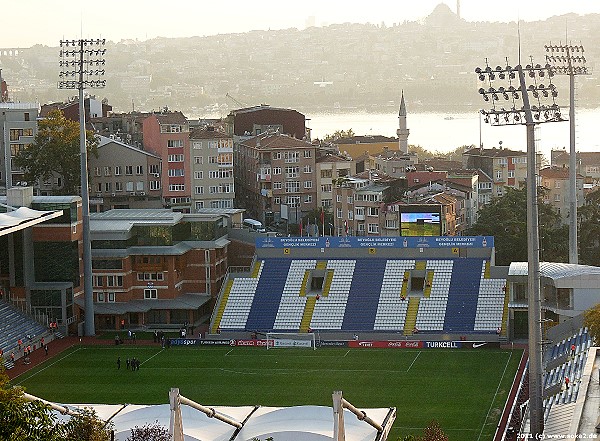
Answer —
377 242
401 344
443 344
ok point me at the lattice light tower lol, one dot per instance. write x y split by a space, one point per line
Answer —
569 60
82 66
513 102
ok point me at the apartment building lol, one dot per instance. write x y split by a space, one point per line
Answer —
18 127
253 121
507 168
556 181
275 173
123 176
167 135
331 168
212 179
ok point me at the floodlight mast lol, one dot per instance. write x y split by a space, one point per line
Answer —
569 60
84 69
530 116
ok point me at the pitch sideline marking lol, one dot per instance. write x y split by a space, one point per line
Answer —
346 353
50 365
229 352
413 362
495 395
153 356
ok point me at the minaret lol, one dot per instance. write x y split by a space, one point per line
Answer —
3 89
402 131
458 8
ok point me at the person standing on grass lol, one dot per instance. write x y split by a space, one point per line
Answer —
127 362
46 349
118 362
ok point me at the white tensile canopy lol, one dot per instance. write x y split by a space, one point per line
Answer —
24 217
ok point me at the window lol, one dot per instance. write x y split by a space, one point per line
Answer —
150 293
129 170
373 211
339 213
291 172
391 224
197 145
276 170
307 153
307 184
291 157
556 184
308 168
213 160
100 296
111 297
139 186
118 186
308 199
498 175
199 205
225 159
227 188
277 200
292 201
350 214
511 173
199 190
213 174
174 143
277 185
277 155
139 170
98 186
557 198
326 174
175 158
197 159
97 171
129 186
154 185
360 211
176 172
213 189
338 198
176 187
373 228
107 171
292 186
349 199
198 175
107 187
326 188
98 280
114 281
117 170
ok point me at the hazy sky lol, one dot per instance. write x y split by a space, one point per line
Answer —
29 22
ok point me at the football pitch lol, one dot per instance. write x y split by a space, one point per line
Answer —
464 390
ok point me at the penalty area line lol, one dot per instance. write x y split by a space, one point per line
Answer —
50 365
413 362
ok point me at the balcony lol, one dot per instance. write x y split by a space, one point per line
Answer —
263 177
359 217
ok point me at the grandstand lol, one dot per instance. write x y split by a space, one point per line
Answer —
362 286
16 325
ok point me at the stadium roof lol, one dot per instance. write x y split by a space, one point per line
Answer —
299 423
564 275
185 301
24 217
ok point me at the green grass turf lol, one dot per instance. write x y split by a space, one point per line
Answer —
464 390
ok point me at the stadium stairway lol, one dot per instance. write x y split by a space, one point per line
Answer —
411 315
309 308
268 295
462 296
222 305
504 329
363 298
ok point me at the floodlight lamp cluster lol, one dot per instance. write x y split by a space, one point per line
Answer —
80 67
507 101
564 61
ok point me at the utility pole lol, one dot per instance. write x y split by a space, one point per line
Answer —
516 103
80 68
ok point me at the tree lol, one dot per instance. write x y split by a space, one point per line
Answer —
55 150
150 432
434 432
22 420
315 216
589 230
339 134
505 218
591 319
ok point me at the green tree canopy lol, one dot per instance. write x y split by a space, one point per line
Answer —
592 321
339 134
22 420
56 150
505 218
588 232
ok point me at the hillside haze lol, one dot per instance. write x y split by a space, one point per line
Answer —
341 67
